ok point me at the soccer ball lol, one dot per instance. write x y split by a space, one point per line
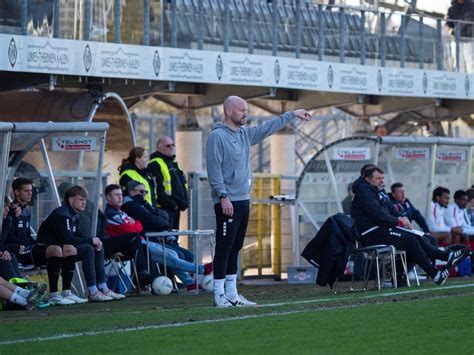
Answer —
162 285
207 283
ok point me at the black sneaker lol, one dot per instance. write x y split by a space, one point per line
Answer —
456 256
441 276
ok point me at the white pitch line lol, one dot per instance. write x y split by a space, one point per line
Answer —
386 294
210 321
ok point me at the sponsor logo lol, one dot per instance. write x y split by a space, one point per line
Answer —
87 58
379 80
156 63
276 71
467 85
12 52
330 76
219 67
425 83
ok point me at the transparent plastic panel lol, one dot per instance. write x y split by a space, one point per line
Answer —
452 168
74 159
410 165
316 194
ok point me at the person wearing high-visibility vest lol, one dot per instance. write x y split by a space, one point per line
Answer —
171 187
135 168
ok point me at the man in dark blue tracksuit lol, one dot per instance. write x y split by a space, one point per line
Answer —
376 221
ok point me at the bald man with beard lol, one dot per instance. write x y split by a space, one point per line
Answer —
230 178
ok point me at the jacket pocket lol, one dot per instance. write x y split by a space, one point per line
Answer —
229 177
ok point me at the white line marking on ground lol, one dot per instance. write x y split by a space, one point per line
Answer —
386 294
210 321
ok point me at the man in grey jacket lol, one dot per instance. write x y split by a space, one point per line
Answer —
229 175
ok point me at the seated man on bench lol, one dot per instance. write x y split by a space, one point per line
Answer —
376 221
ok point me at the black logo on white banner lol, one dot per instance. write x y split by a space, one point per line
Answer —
87 57
330 76
467 85
219 67
425 83
12 52
276 71
379 80
156 63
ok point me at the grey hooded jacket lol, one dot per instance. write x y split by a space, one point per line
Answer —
228 159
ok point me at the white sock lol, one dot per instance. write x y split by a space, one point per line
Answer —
103 287
66 293
16 298
219 287
22 292
231 286
54 294
92 289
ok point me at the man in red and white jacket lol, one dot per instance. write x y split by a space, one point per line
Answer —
443 233
456 215
124 233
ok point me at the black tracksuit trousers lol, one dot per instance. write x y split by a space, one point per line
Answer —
418 249
230 234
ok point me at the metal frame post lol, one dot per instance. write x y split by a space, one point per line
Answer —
56 19
24 17
421 28
98 182
174 25
382 40
87 20
200 24
342 36
274 28
118 21
320 33
49 172
402 41
251 27
4 157
439 45
362 38
430 186
457 26
332 178
226 25
298 29
470 151
146 22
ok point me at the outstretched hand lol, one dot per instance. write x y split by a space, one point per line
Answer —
302 114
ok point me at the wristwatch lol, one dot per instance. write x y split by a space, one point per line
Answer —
221 196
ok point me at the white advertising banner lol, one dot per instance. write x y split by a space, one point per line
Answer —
98 59
73 143
347 153
451 155
408 153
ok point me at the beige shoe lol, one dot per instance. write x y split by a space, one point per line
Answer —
98 297
115 296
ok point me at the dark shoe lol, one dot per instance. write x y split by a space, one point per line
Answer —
441 276
456 256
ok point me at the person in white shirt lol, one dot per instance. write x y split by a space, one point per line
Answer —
456 215
443 233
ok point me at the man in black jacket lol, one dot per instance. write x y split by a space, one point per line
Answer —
376 221
462 10
61 228
155 220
